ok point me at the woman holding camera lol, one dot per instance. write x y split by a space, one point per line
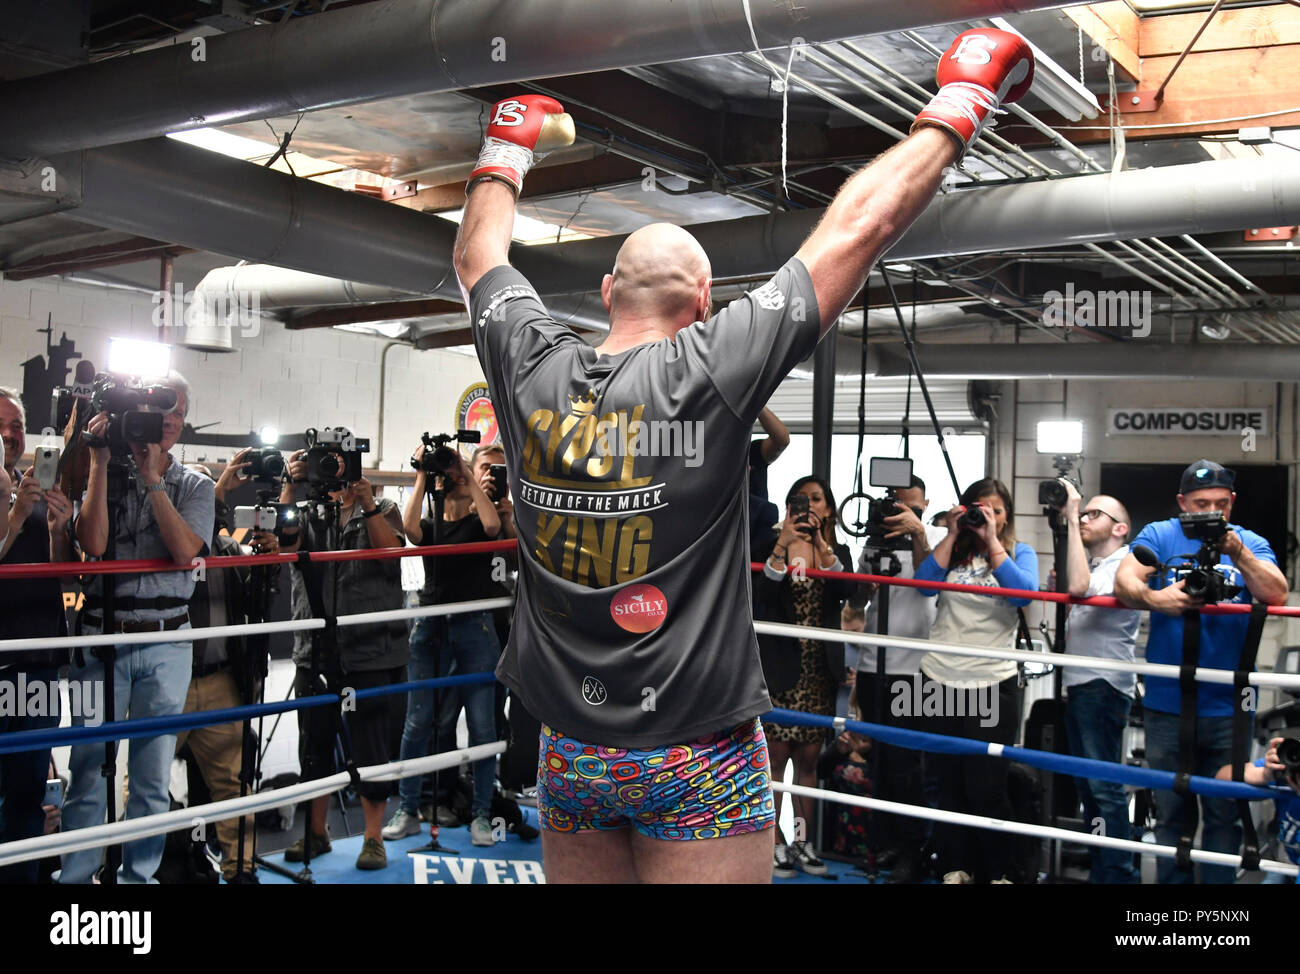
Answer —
981 697
802 675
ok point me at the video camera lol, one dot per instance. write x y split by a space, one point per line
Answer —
135 408
333 458
265 465
438 458
1201 579
1052 493
894 474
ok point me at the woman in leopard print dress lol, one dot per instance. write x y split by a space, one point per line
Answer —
803 674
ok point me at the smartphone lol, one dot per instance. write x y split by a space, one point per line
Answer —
798 510
499 481
53 793
46 466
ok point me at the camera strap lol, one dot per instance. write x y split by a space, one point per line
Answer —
1187 735
1241 729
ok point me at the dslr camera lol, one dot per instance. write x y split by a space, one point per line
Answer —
135 408
1051 493
1201 578
438 458
333 458
265 465
1289 753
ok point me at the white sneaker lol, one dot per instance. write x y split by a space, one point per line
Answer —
958 877
804 857
402 824
480 832
1001 882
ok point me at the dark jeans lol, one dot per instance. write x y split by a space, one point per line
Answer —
1220 826
900 774
22 780
1095 716
977 785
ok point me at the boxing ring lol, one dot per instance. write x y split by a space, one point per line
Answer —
130 829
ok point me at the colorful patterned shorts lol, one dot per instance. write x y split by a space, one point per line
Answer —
708 788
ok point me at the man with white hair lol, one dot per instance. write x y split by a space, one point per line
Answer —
166 512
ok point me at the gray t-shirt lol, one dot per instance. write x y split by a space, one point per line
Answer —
633 626
1094 631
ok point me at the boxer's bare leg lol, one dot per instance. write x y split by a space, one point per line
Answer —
590 856
743 858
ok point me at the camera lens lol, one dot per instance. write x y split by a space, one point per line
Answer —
972 518
1196 583
1289 752
1051 493
272 466
331 466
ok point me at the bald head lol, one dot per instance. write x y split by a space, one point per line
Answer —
661 272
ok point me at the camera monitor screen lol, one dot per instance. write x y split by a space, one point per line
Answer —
890 472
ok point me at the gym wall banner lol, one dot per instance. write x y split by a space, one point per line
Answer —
1188 421
475 412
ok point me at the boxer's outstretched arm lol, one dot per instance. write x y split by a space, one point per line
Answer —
983 69
483 241
869 213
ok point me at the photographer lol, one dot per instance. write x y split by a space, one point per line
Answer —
1099 700
363 657
1244 558
1268 771
36 529
803 674
463 643
166 512
911 615
220 674
980 549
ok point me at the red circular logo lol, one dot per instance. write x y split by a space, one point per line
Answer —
639 608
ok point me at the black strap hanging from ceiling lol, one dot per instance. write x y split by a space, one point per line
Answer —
920 378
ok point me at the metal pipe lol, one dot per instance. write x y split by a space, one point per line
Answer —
402 47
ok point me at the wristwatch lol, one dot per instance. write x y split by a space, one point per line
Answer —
158 486
372 512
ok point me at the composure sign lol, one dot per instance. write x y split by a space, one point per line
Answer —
1188 421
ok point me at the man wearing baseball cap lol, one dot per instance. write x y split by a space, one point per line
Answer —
1247 561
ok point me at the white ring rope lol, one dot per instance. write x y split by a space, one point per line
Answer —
1027 828
219 632
96 836
1204 674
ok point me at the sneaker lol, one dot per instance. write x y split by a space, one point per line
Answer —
1001 882
480 831
320 844
782 864
807 860
402 824
242 879
447 819
426 813
372 855
958 877
524 831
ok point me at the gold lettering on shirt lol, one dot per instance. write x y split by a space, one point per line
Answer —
579 451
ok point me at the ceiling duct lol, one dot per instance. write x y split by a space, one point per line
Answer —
403 47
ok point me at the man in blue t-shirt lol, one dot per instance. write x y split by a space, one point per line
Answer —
1270 770
1246 560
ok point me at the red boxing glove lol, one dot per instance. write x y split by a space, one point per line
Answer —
522 130
982 70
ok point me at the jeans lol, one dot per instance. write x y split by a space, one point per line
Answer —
23 776
1221 828
1095 717
148 681
462 644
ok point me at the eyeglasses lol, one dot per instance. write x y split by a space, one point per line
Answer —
1092 515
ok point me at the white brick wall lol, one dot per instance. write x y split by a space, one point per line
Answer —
290 379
